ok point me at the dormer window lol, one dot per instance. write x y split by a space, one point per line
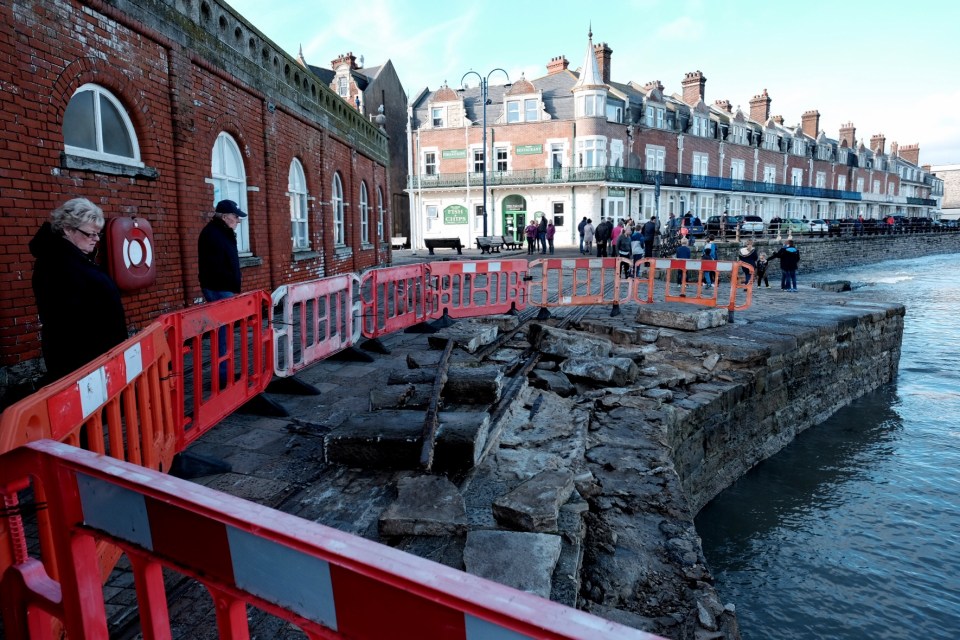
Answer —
701 126
798 147
770 141
843 156
739 134
513 111
530 110
590 104
614 113
522 110
438 116
343 87
654 116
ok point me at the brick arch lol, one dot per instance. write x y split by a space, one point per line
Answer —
95 71
226 124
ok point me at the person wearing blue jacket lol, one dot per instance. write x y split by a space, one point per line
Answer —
789 257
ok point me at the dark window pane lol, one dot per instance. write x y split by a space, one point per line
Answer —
116 138
78 125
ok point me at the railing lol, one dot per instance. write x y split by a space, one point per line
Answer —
927 202
621 175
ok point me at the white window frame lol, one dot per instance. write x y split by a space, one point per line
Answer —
614 112
735 206
821 180
380 214
876 186
796 177
591 152
98 153
429 162
501 159
661 112
798 147
701 126
438 117
364 213
229 178
738 169
701 164
655 156
299 212
705 204
841 183
513 111
860 185
769 174
433 216
531 109
770 141
343 86
339 226
479 158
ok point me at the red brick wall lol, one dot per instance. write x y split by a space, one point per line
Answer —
178 104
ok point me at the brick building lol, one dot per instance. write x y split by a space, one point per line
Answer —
158 110
579 144
950 175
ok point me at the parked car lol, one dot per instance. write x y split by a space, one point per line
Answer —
696 230
818 226
722 224
753 224
951 224
793 225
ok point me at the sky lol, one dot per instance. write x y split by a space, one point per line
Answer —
889 67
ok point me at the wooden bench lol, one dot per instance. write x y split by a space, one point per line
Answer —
511 244
489 244
443 243
398 242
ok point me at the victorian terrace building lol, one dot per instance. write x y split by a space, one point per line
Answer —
577 144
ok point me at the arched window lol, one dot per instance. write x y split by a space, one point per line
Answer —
338 230
364 214
297 192
95 125
230 183
380 214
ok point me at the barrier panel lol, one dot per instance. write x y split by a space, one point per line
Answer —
560 282
474 288
328 583
726 286
393 299
209 385
118 405
317 319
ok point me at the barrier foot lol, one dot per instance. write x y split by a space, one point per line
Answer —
261 405
730 316
374 345
615 311
421 327
513 310
443 321
544 314
187 466
351 354
292 386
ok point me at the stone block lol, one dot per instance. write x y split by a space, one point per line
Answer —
425 506
523 561
535 504
553 381
570 344
681 316
607 371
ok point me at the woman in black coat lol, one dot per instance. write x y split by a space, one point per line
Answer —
79 304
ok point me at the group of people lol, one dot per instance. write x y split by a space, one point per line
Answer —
619 240
81 313
540 236
788 255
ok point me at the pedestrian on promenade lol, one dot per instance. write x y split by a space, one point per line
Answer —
542 233
650 231
789 257
588 237
81 315
748 255
624 251
602 235
683 253
580 227
220 264
636 248
615 233
761 274
530 231
709 253
551 231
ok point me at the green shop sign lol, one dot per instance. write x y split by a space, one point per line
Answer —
616 192
529 149
455 214
453 154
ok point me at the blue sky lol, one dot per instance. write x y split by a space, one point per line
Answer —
890 67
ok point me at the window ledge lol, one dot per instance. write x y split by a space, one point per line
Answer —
250 261
299 256
342 252
366 246
68 161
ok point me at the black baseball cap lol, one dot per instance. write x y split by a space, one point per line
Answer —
229 206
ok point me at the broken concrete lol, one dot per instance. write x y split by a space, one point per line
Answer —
425 506
604 371
535 504
523 561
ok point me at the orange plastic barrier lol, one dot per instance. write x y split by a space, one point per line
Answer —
328 583
579 281
475 288
200 398
319 318
118 405
727 289
393 299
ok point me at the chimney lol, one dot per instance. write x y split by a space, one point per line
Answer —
347 58
653 84
810 121
877 143
848 135
778 120
894 149
760 107
724 105
693 84
556 65
910 153
603 53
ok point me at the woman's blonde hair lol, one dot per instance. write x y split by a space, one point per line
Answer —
73 213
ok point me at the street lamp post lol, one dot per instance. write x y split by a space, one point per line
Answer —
484 84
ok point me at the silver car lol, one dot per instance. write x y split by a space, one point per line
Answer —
752 224
819 226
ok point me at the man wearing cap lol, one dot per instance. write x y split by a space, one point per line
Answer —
219 264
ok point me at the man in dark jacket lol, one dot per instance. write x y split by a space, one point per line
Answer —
219 264
650 231
583 223
602 235
789 257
